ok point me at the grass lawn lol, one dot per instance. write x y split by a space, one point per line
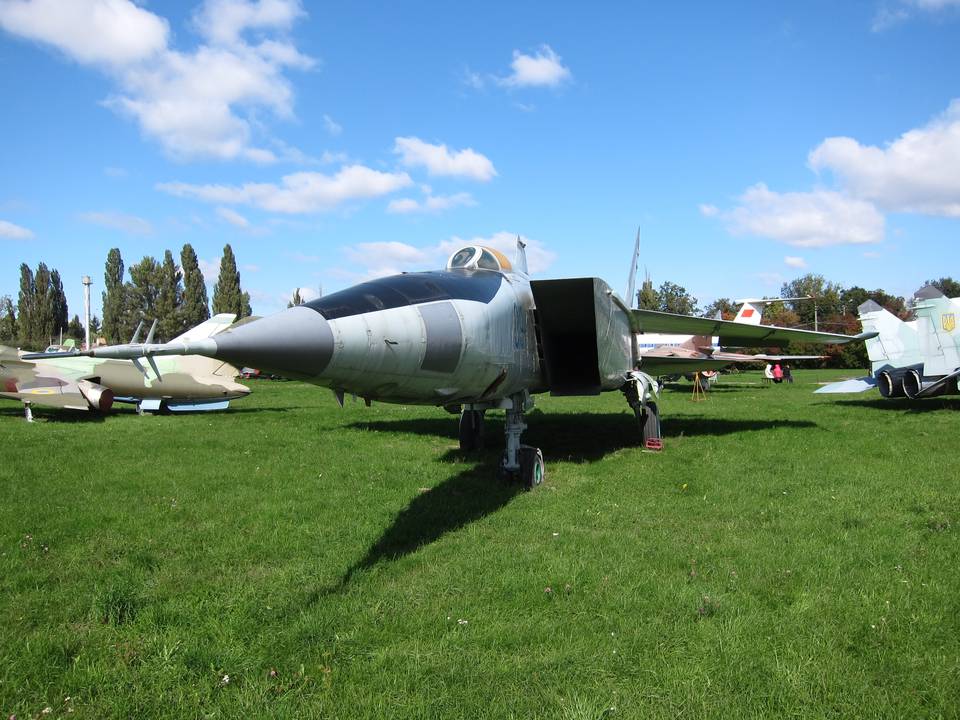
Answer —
786 554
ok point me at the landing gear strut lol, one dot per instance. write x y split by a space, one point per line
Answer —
28 412
641 391
522 463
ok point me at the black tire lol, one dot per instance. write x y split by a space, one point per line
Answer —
649 423
532 471
471 430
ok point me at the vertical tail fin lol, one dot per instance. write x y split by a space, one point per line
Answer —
749 314
632 283
896 337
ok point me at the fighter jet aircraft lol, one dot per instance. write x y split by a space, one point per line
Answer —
69 380
916 358
476 336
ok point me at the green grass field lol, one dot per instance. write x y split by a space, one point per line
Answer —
787 554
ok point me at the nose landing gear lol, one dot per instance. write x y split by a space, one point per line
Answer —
521 463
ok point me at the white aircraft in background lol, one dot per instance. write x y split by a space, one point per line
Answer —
668 354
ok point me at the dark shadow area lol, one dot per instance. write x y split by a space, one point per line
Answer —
903 404
464 498
576 438
50 414
718 388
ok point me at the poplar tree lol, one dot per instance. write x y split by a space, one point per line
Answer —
58 304
8 321
194 309
227 297
143 292
296 299
114 300
169 299
647 298
25 303
43 307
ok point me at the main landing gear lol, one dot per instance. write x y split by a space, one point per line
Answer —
641 391
519 463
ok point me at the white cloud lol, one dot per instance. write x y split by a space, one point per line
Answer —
115 172
302 192
794 262
431 204
108 32
805 219
888 14
130 224
332 126
14 232
918 172
709 210
379 259
251 268
210 269
196 103
224 21
439 160
306 294
233 217
539 258
542 69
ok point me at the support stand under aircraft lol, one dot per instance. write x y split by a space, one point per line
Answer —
476 336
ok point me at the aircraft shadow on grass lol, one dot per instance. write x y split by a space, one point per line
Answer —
453 504
578 438
474 493
52 415
904 404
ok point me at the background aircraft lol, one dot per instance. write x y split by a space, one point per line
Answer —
476 336
670 354
915 358
70 380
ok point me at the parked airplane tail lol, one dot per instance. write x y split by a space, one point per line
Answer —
749 314
895 337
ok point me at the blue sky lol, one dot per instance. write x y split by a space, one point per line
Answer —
327 143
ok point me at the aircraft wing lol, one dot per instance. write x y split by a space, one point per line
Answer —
855 385
732 333
761 357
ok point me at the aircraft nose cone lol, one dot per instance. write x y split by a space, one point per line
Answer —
296 342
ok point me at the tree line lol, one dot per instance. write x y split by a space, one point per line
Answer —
834 309
174 295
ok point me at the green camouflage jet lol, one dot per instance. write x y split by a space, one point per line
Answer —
916 358
63 380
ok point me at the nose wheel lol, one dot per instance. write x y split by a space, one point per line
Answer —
520 463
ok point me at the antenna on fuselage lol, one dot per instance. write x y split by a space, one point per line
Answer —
632 283
520 261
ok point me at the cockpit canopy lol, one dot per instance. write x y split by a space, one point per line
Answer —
478 257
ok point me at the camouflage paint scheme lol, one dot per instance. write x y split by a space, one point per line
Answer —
475 336
84 383
914 358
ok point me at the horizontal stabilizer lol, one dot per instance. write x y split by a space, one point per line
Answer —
854 385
